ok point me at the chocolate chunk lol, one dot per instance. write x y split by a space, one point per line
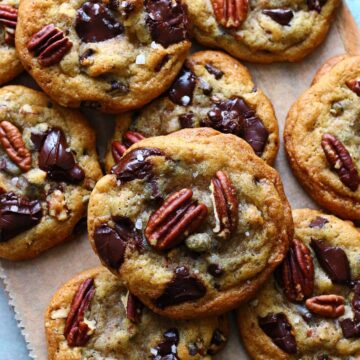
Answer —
351 328
118 87
162 62
277 327
17 214
333 260
38 139
167 21
319 222
281 16
89 104
234 116
135 164
215 270
193 350
316 4
214 71
86 54
217 340
186 120
57 159
95 23
182 90
134 308
182 288
205 87
167 349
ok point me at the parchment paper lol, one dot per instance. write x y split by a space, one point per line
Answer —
31 284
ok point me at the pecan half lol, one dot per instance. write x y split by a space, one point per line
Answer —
49 45
225 203
8 18
340 159
129 138
230 13
297 272
76 330
176 219
354 85
13 143
331 306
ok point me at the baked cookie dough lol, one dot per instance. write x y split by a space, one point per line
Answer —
193 222
262 31
10 65
48 168
93 316
112 56
310 310
322 137
213 90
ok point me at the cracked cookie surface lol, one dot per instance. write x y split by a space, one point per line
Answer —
322 136
262 31
115 325
309 312
109 55
48 167
194 222
213 90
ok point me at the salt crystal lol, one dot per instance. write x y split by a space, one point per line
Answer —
140 59
140 157
154 45
185 100
247 233
138 224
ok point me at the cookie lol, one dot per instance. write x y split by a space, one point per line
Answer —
93 316
48 167
310 309
213 90
193 222
262 31
322 136
112 56
10 65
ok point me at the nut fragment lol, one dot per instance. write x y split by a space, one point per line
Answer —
297 272
331 306
13 143
230 13
340 159
354 85
176 219
129 138
225 204
49 45
57 205
76 330
8 18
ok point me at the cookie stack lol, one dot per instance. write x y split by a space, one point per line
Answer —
190 220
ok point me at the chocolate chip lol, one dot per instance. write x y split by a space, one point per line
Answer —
215 270
182 90
17 214
86 54
281 16
167 21
214 71
95 23
57 159
89 104
182 288
217 340
323 357
316 4
118 87
38 139
193 350
333 260
186 120
135 164
167 349
162 62
319 222
277 327
205 87
234 116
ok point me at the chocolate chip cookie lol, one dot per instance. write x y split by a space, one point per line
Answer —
212 90
93 316
262 31
310 309
322 134
10 65
194 222
109 55
48 168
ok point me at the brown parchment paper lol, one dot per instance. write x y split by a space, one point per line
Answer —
31 284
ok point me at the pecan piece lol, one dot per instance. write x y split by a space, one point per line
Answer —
129 138
13 143
331 306
225 203
176 219
230 13
49 45
340 159
8 18
354 85
76 330
297 272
